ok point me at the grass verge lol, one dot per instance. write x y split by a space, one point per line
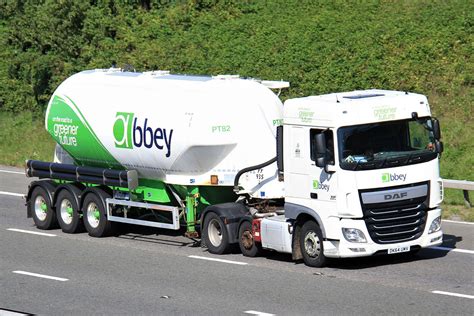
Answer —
22 137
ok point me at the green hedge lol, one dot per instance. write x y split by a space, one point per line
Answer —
319 46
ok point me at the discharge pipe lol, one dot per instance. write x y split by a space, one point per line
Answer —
242 171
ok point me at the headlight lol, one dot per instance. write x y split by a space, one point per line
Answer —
353 235
435 225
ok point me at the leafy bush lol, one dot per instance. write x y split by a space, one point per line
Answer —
319 46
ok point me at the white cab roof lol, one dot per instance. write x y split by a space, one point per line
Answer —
354 107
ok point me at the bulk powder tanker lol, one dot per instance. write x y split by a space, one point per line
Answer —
339 175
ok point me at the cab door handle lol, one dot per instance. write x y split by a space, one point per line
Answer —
314 195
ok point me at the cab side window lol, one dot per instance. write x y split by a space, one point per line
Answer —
329 144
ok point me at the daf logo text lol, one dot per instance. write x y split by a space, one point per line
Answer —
395 196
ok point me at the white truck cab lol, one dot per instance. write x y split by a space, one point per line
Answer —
364 166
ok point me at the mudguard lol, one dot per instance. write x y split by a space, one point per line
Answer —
231 214
48 185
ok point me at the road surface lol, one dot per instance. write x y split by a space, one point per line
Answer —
150 271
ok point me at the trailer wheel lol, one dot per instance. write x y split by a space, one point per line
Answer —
215 234
67 212
247 244
94 215
42 210
311 244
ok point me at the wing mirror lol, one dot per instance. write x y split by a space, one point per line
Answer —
436 128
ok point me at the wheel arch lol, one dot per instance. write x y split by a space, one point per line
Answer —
76 189
48 185
232 214
101 192
301 214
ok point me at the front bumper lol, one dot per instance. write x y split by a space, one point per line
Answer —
344 249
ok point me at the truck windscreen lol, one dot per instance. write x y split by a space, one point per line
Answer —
386 144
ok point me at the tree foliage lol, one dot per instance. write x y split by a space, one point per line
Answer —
319 46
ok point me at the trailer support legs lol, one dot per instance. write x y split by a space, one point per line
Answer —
191 210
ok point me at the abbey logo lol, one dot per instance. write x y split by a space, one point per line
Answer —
123 130
320 186
129 133
389 177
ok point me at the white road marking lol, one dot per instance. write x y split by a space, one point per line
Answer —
258 313
219 260
12 194
457 222
14 172
453 294
44 276
454 249
30 232
6 312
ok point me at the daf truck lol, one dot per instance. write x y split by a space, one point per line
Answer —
339 175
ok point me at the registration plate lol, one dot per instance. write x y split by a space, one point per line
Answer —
398 249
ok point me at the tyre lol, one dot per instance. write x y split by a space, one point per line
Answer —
67 213
94 215
247 244
41 209
311 243
215 234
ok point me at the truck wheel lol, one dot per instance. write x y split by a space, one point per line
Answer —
215 234
43 213
67 212
94 216
247 244
312 245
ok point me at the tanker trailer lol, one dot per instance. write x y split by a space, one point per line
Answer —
159 150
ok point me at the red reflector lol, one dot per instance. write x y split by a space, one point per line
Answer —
256 229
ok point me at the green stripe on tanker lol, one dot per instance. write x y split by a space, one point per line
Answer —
69 128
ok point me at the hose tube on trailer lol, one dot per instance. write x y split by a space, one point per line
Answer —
241 172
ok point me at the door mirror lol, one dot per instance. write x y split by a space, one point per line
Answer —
436 128
320 142
321 162
439 146
320 149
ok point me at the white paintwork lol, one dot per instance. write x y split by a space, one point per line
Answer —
338 203
275 233
220 124
336 109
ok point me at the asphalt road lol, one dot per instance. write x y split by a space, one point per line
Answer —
151 271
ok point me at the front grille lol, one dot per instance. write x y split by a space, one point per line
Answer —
393 222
